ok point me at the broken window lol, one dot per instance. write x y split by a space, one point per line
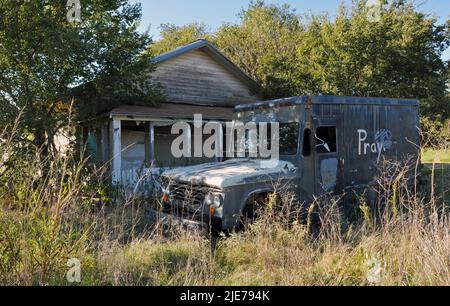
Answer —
326 140
163 147
288 135
288 138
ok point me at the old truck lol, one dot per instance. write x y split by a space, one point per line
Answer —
328 145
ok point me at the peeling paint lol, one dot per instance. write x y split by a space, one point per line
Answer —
230 173
329 171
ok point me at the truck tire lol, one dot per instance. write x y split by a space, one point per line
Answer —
254 208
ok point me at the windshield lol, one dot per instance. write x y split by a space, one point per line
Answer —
288 139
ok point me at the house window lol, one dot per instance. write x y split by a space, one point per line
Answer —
133 145
326 140
163 143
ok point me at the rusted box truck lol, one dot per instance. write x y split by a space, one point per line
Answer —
328 145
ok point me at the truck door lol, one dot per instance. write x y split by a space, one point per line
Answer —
328 172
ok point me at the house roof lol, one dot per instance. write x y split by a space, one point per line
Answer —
173 111
206 46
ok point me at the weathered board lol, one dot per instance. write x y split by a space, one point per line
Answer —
197 78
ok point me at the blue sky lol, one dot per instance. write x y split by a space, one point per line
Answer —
216 12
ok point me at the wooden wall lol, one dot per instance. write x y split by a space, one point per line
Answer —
196 78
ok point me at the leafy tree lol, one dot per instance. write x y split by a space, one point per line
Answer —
264 44
44 58
397 55
173 36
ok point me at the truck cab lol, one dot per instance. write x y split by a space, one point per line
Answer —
327 146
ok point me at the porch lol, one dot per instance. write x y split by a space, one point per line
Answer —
135 142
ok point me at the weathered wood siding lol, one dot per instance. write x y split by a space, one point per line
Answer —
196 78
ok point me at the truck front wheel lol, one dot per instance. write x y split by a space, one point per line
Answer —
256 207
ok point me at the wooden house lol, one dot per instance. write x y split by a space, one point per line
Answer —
197 79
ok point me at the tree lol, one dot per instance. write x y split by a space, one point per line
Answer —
44 57
173 37
264 44
398 55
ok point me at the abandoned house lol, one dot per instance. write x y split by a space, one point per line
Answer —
197 79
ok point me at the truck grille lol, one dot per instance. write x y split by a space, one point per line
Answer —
190 196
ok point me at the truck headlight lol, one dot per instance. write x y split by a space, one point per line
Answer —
218 200
165 190
214 200
209 199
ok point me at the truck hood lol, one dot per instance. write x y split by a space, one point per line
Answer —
230 173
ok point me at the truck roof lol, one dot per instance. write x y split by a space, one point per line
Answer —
300 100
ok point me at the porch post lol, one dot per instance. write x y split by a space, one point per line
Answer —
151 134
220 159
116 136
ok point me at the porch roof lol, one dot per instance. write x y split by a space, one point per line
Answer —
173 111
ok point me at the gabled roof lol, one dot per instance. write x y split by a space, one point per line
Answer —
206 46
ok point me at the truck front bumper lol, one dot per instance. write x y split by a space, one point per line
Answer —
170 219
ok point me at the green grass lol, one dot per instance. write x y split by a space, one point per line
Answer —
439 156
441 183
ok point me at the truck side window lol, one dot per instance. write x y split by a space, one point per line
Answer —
328 136
307 143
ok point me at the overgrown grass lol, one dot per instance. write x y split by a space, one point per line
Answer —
439 177
55 210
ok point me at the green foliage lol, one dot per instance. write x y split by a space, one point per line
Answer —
264 44
430 156
397 56
173 37
155 264
435 132
43 57
37 237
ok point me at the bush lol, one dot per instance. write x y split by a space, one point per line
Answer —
434 132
